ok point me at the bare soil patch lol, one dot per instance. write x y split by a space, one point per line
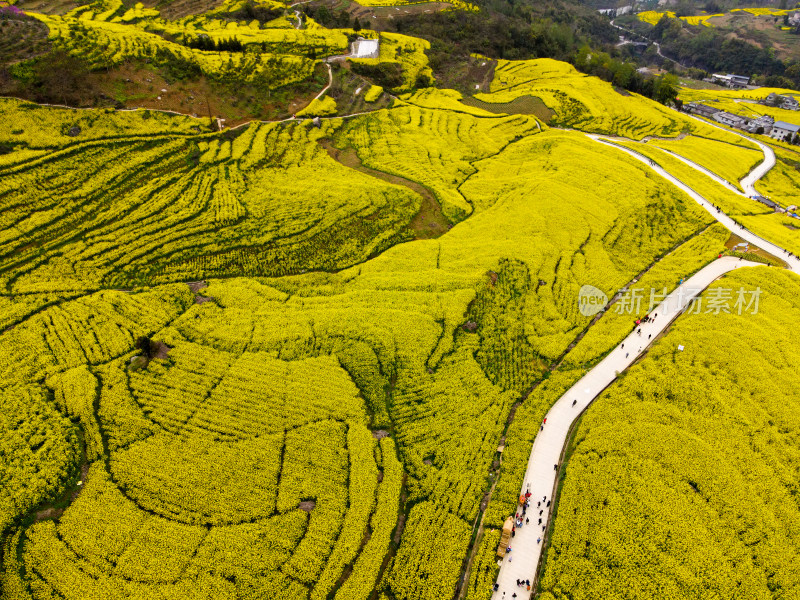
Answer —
21 38
376 17
308 505
54 510
735 239
139 85
49 7
196 286
161 350
348 89
177 9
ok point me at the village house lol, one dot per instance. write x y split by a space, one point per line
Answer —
785 102
731 80
701 109
784 132
763 124
767 202
731 120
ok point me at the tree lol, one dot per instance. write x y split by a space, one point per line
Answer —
356 25
60 77
144 344
665 88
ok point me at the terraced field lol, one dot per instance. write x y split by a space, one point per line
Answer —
307 359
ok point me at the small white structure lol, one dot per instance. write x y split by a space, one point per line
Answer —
363 48
784 131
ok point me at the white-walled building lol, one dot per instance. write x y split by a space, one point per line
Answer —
363 48
784 131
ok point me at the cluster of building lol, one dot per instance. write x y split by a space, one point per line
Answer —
786 102
737 82
779 130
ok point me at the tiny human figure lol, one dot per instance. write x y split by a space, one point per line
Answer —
540 521
555 467
543 526
626 355
540 512
574 402
649 335
538 504
538 540
526 520
548 503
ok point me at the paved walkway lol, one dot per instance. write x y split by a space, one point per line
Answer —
540 477
748 182
746 234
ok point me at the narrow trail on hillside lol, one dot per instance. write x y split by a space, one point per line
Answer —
541 475
330 83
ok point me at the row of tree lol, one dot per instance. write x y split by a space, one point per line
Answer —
623 74
204 42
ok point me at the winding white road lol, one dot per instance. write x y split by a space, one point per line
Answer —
746 234
540 477
747 183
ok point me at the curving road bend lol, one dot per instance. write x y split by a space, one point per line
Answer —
540 477
746 234
748 182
